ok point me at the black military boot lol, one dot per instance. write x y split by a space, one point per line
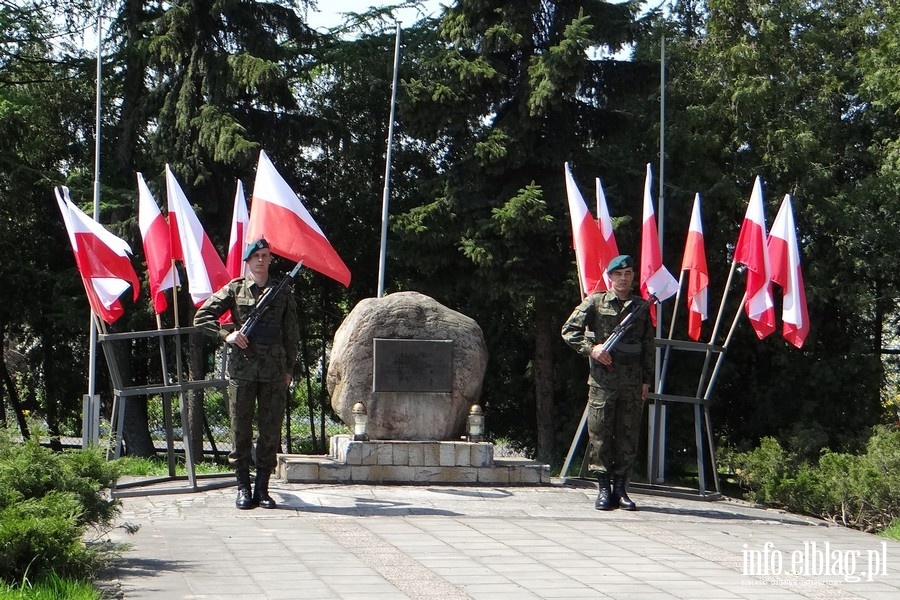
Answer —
619 491
261 495
243 500
603 500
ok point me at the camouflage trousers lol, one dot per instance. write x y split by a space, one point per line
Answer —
268 399
614 421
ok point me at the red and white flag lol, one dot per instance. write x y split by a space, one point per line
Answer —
694 262
157 247
277 214
586 239
608 250
102 259
784 255
655 277
205 270
237 241
751 252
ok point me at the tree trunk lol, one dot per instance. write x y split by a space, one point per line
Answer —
543 379
136 428
307 378
324 398
194 399
7 382
51 405
880 311
133 87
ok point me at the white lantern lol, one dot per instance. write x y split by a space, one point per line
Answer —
360 421
475 424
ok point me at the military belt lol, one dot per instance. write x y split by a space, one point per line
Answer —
626 359
627 354
266 335
627 348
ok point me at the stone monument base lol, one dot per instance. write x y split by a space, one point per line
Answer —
410 462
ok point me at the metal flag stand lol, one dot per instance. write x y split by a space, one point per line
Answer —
122 392
656 450
702 424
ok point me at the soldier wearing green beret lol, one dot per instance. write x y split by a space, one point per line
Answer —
259 369
618 383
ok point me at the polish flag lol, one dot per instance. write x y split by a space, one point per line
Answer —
785 262
694 262
751 252
608 250
237 241
206 272
655 277
157 247
586 240
101 258
278 215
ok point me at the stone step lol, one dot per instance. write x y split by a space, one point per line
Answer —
412 453
392 461
294 468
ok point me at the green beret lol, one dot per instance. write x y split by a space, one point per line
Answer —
623 261
255 247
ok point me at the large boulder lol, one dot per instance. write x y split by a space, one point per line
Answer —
406 415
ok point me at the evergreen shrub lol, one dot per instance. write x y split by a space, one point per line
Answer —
48 500
861 491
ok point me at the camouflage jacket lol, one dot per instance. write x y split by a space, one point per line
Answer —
599 313
273 341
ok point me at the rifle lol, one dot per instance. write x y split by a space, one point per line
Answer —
265 303
628 322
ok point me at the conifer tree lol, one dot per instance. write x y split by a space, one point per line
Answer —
507 94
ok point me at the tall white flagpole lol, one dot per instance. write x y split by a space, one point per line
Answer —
91 414
385 198
660 435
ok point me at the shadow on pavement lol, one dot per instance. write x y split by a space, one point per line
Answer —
135 566
727 515
362 507
479 493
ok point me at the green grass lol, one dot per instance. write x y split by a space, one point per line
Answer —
51 587
892 532
157 467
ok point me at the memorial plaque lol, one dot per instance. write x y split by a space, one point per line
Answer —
412 365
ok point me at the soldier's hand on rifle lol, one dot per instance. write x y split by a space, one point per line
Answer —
600 355
236 338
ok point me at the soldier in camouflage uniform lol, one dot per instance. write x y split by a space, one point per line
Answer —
259 369
619 381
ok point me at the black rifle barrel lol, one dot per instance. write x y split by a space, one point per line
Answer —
265 301
627 322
